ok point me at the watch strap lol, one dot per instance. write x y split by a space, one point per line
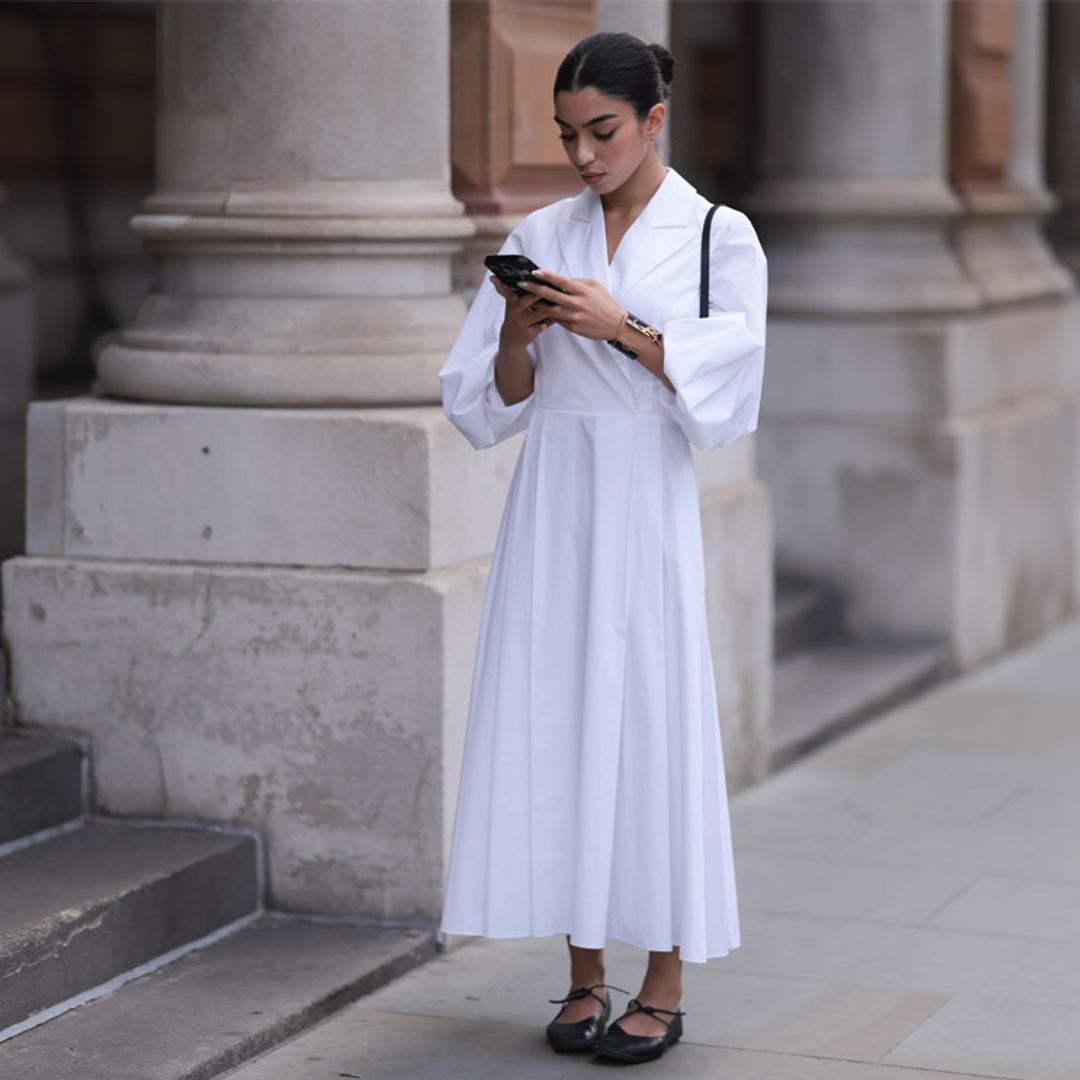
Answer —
630 319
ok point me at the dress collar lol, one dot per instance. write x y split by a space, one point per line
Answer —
671 204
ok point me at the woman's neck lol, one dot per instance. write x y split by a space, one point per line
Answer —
631 198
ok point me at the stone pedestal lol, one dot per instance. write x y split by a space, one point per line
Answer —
917 463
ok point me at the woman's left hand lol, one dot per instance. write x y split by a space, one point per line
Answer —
585 308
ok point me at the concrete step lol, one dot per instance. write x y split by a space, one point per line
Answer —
822 690
804 612
84 906
40 784
218 1006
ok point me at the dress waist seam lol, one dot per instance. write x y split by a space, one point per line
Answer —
601 412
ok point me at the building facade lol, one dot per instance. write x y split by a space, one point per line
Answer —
255 549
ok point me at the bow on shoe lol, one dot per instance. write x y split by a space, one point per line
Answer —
652 1010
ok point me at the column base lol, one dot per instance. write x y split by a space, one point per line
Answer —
1004 251
252 351
929 474
871 247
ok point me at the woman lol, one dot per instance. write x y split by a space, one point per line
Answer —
593 801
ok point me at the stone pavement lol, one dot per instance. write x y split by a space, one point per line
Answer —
910 905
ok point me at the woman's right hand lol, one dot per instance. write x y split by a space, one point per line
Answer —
520 325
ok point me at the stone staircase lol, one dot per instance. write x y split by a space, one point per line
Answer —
140 948
825 681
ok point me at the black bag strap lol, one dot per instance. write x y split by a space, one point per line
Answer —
703 303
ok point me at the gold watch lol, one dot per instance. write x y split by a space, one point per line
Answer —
642 327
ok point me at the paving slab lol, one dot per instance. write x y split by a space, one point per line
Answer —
999 905
794 884
959 715
365 1044
1046 667
943 961
996 1037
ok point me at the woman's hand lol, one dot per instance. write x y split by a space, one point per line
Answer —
585 308
524 319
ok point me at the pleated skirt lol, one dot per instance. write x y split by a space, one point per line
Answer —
592 798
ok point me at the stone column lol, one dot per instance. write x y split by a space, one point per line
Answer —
1063 174
506 157
16 382
851 162
1063 123
258 600
914 434
999 72
302 224
649 20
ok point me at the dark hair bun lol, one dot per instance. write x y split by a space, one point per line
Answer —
666 62
619 65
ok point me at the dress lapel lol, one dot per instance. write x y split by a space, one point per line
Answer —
666 224
581 238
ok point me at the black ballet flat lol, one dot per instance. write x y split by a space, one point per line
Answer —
622 1046
581 1034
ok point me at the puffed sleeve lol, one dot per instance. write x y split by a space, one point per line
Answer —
471 400
717 364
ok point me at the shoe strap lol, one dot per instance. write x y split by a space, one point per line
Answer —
581 991
652 1010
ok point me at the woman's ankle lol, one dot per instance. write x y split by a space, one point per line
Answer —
668 989
587 978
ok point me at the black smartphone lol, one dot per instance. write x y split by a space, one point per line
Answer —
513 269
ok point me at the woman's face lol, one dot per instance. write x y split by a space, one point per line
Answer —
603 137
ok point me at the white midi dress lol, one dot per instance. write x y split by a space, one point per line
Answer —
592 798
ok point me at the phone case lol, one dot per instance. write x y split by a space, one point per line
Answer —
512 269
